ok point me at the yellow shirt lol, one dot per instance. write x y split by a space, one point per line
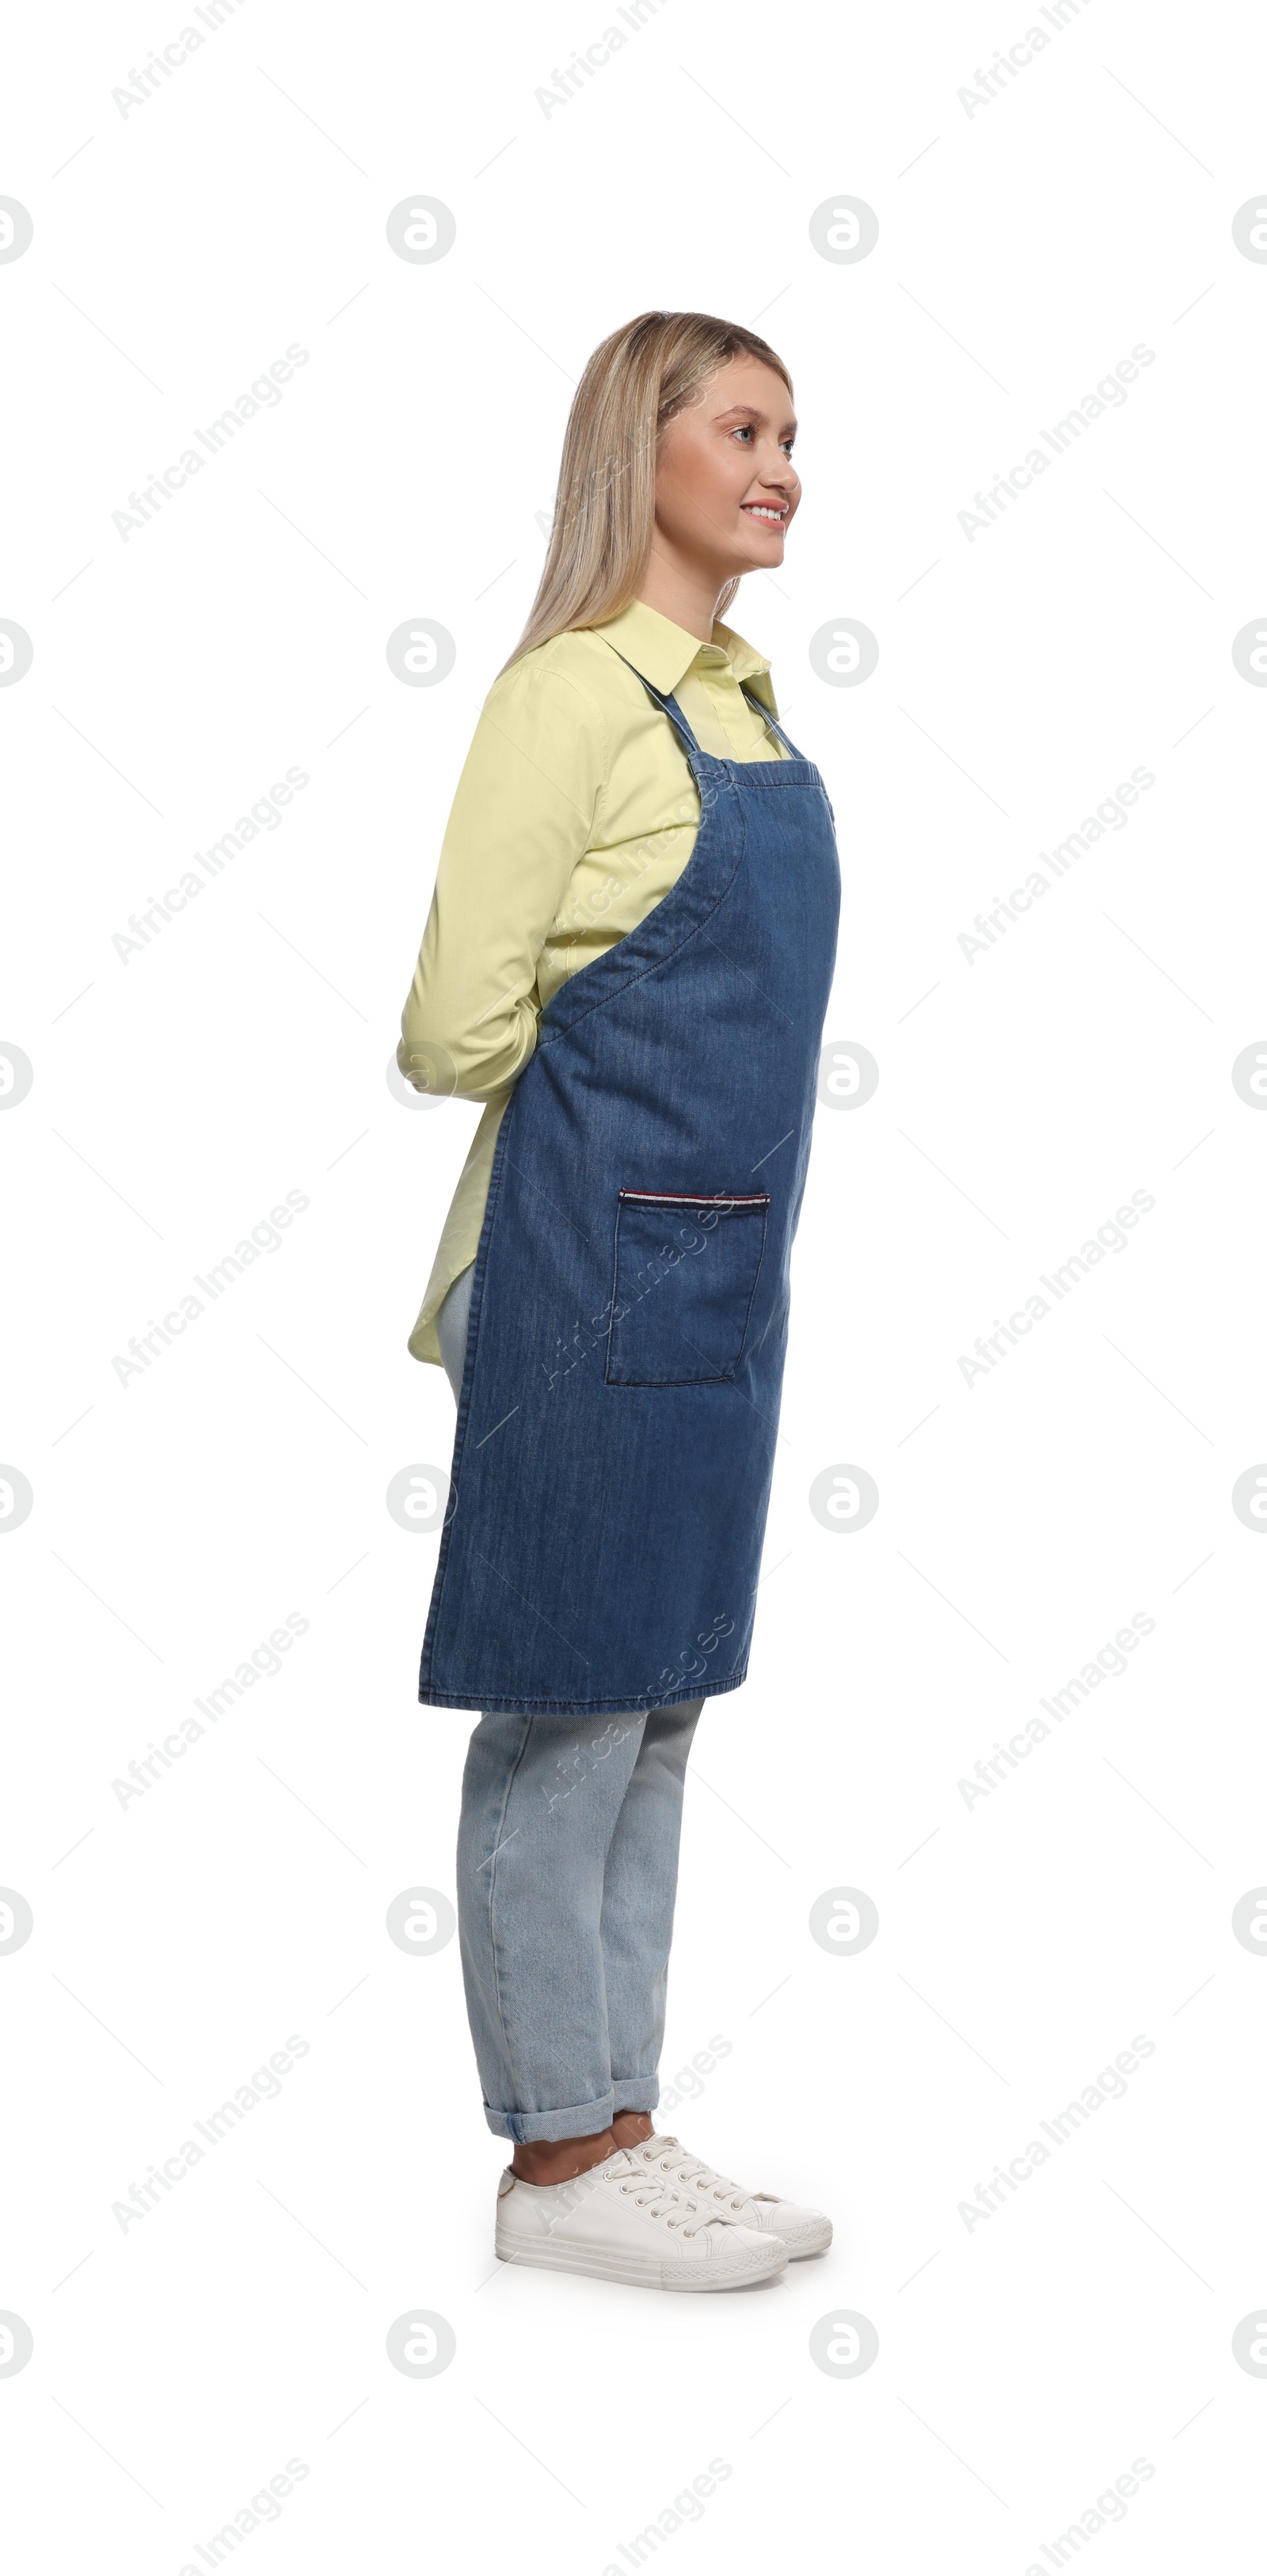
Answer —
574 815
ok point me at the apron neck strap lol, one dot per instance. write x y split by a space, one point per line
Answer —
670 708
667 706
771 723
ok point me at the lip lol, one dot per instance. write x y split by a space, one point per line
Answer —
750 509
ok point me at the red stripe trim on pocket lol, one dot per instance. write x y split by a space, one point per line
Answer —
698 1198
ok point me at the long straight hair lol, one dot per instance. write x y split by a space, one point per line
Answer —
604 513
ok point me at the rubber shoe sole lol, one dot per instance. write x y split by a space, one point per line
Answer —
810 2238
742 2271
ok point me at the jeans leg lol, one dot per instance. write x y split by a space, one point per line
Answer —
638 1897
541 1797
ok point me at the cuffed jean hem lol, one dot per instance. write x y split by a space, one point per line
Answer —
637 2093
528 2128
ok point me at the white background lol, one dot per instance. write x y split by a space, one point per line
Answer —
1024 1939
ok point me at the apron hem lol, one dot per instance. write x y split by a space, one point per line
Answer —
641 1703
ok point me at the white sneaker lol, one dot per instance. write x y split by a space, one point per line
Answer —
621 2223
803 2231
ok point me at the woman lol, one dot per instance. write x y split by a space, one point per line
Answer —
628 959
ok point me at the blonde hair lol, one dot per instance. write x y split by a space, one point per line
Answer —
604 513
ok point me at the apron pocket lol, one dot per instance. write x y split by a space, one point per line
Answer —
686 1274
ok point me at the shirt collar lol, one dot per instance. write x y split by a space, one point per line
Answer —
663 653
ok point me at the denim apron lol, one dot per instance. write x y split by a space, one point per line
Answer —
624 1355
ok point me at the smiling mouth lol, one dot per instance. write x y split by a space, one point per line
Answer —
769 515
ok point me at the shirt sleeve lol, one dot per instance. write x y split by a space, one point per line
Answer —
522 817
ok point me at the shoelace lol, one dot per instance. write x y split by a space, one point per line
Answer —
657 2198
693 2174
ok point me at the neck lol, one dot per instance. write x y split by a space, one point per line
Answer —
685 592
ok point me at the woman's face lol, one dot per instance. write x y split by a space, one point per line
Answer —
726 487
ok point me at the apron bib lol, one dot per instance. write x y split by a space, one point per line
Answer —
624 1356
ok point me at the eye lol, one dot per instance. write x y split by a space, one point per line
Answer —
744 430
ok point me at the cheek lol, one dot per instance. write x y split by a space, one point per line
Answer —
681 487
701 493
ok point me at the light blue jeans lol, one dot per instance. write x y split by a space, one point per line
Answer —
566 1874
